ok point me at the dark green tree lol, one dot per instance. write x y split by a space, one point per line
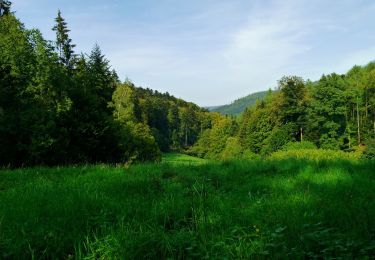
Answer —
327 112
293 104
16 72
63 42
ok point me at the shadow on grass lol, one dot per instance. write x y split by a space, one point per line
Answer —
234 209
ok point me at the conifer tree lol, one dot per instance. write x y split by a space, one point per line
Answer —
63 42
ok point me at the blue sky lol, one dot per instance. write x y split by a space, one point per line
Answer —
212 52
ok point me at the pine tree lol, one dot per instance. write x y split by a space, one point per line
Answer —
63 42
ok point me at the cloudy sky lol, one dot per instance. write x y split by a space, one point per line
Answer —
210 51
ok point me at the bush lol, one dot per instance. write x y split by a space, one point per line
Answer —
315 155
137 143
233 149
278 138
299 146
249 155
369 152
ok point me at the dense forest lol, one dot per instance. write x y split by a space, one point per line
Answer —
59 107
337 112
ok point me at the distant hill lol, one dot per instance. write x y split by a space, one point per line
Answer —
239 105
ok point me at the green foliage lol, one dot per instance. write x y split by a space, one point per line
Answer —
293 103
334 113
144 147
56 108
233 149
213 141
237 210
174 123
278 138
299 146
258 124
63 42
369 152
184 159
315 155
327 111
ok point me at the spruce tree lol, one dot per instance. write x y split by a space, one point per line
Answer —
63 42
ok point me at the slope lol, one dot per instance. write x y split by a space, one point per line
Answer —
239 105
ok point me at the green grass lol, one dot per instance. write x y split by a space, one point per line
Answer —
178 159
240 209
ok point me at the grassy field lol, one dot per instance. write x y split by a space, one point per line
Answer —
240 209
178 159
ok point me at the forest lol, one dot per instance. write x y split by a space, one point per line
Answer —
335 113
95 167
58 107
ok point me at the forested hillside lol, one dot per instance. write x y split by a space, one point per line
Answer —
239 105
336 112
60 107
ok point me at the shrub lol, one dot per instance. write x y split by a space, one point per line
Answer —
233 149
278 138
315 155
249 155
138 144
299 145
369 152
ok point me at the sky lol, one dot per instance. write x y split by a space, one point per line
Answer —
212 52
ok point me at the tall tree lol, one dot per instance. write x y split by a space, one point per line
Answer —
63 42
293 104
327 112
16 72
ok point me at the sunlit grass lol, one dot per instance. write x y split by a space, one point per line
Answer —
238 209
178 159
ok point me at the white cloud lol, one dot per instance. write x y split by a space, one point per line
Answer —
215 64
212 52
249 57
267 44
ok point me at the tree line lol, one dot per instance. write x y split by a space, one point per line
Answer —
337 112
60 107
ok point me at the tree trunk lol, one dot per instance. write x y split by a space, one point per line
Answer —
359 133
347 128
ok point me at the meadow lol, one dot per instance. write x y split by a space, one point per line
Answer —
189 208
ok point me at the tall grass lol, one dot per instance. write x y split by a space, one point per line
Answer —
316 155
234 209
178 159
